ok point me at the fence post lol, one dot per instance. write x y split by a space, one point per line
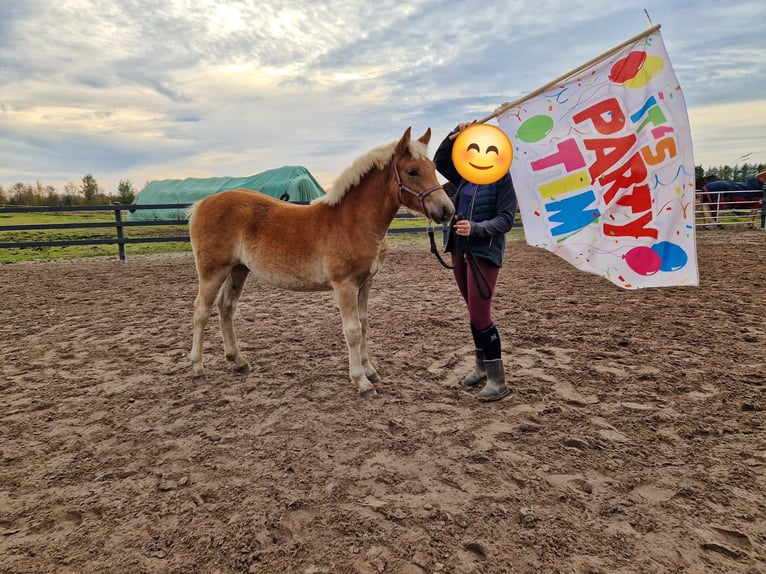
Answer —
120 234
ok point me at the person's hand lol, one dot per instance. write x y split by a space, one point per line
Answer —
463 227
461 126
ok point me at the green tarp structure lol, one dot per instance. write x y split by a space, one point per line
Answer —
290 183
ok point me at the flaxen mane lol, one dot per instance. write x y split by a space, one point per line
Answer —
378 158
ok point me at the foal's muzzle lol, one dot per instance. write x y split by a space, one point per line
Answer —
441 211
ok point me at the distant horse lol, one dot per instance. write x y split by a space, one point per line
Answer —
337 242
703 205
720 195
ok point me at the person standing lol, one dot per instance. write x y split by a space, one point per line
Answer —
484 213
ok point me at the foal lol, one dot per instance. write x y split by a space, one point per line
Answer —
338 242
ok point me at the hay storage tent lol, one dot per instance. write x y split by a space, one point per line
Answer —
289 183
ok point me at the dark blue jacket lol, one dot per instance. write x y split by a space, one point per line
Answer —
491 213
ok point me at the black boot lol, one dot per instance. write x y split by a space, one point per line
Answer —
476 377
495 389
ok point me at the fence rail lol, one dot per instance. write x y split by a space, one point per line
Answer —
714 211
120 226
708 214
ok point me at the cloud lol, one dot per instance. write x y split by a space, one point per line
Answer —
143 90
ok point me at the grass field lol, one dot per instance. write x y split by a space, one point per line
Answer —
13 254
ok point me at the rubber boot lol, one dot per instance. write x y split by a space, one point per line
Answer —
495 389
476 377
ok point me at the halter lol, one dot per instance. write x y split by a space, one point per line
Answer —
420 195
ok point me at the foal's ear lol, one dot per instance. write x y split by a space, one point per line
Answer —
426 137
403 147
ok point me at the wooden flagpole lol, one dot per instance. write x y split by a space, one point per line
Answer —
508 105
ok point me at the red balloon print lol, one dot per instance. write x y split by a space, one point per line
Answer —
643 260
626 68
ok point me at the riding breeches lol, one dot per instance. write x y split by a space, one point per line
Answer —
476 283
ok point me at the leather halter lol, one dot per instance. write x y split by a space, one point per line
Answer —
420 195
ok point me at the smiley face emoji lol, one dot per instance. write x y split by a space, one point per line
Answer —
482 153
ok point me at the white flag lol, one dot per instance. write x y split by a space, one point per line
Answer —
604 171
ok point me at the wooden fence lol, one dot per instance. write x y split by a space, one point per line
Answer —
121 226
707 215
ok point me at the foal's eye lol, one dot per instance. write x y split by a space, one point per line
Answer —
413 172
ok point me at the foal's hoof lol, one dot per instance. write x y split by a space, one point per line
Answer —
366 388
374 378
243 368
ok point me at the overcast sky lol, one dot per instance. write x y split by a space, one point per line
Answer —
155 89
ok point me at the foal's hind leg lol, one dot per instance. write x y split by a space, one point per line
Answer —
227 307
348 301
369 370
209 284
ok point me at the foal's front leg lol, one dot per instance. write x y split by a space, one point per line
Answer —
348 301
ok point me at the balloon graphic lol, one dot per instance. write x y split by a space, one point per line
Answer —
643 260
673 257
535 128
626 68
651 68
636 69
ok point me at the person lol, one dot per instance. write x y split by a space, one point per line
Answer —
484 213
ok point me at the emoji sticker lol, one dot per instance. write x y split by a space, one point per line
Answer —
482 153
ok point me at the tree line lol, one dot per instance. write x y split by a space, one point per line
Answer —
87 193
729 173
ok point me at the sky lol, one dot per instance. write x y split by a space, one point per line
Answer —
141 90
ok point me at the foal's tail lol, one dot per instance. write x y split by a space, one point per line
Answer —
190 210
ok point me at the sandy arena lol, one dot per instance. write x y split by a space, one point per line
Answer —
634 441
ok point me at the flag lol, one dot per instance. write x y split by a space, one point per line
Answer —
604 171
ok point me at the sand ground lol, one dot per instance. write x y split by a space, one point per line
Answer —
634 441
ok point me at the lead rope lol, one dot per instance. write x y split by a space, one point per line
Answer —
434 249
485 289
477 274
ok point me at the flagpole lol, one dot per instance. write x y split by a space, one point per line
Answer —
508 105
